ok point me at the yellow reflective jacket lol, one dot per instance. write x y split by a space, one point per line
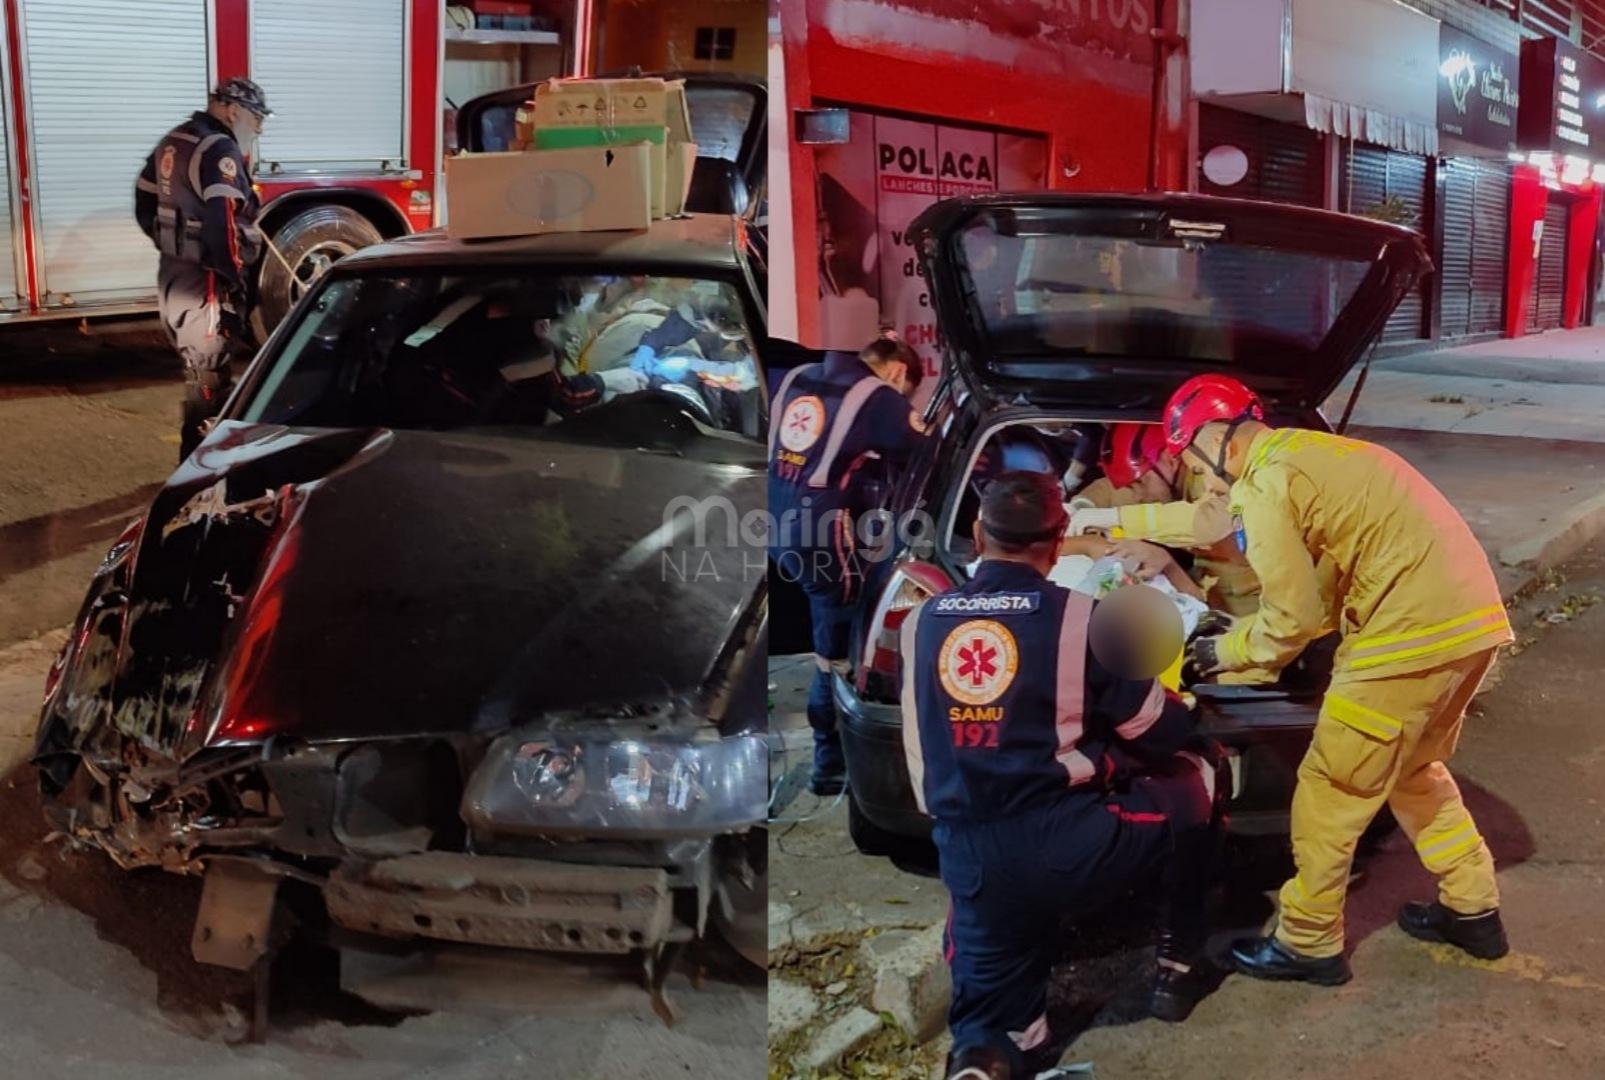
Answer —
1413 589
1175 524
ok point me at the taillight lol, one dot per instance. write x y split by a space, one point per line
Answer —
910 584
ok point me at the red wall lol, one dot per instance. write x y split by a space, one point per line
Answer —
1073 73
1579 253
1527 199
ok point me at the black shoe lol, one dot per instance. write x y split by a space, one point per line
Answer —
1177 992
1184 977
978 1063
1267 958
1483 936
827 784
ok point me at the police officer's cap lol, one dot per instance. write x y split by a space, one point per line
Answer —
1023 508
244 93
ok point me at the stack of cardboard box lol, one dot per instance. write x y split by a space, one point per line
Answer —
593 154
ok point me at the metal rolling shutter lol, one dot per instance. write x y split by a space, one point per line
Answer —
106 80
10 242
1284 161
1550 280
335 75
1375 174
1489 244
1455 267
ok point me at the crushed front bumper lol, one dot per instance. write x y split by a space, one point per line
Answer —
502 901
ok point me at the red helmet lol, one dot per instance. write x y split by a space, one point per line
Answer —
1130 452
1206 399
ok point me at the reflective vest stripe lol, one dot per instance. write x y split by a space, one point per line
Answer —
1426 631
186 136
1153 705
195 159
911 714
1070 693
143 184
780 399
1424 643
223 191
840 424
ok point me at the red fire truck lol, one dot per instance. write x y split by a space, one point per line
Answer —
362 92
881 107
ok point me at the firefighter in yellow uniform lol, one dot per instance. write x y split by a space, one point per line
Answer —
1420 618
1146 494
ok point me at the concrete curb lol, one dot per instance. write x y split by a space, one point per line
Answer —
1558 542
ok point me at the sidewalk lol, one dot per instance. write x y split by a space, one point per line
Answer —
1543 386
1512 431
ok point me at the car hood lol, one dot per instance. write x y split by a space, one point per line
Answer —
1113 300
418 582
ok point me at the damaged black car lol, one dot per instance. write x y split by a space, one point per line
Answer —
434 642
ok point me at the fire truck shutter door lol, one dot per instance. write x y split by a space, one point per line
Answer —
104 84
335 75
10 239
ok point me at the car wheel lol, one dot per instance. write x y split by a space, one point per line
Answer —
311 242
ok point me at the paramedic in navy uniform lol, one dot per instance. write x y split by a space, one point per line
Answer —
830 418
1057 785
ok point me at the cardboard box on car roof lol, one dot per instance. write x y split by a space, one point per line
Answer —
606 154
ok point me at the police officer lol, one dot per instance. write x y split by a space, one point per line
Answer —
827 417
1057 783
194 200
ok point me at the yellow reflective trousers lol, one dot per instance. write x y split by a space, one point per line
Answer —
1384 741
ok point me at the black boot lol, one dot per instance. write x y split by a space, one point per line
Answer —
1267 958
1182 981
979 1063
1481 935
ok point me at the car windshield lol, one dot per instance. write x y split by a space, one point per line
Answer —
1072 296
511 351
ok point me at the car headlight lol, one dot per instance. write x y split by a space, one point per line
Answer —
579 782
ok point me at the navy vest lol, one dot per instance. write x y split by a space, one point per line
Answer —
994 689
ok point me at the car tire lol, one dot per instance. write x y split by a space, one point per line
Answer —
311 242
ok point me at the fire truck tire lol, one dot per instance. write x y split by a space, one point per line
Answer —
311 242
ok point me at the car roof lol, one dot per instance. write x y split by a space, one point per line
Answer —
704 241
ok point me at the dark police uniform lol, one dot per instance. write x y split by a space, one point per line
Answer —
827 417
1056 787
194 200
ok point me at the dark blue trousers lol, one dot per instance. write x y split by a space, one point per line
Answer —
1012 881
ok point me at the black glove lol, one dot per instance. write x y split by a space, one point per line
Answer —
1212 623
1203 659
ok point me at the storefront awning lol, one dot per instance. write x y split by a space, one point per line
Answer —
1363 69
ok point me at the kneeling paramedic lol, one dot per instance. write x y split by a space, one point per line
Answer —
195 201
1421 620
1057 785
830 417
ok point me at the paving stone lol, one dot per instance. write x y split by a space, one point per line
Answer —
791 1006
912 981
840 1038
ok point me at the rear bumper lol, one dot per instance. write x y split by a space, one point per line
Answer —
1270 736
877 772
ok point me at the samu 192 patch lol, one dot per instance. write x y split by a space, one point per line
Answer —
228 168
978 661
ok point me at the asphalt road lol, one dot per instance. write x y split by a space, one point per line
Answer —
1530 763
95 973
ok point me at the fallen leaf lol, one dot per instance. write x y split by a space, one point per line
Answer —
895 900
